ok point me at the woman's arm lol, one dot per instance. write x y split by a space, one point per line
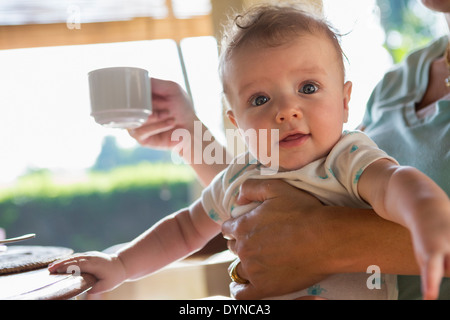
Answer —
173 110
296 241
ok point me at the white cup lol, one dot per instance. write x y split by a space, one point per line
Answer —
120 96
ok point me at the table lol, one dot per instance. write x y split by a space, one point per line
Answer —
39 284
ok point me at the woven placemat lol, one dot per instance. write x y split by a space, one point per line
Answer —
26 258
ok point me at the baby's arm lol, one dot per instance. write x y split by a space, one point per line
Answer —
408 197
171 239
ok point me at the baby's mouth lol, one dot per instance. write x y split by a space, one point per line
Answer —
294 139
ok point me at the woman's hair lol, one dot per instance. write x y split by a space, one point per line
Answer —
271 26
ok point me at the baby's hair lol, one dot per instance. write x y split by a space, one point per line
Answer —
272 25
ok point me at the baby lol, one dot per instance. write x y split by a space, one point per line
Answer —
282 71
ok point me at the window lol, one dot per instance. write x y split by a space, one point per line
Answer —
49 143
374 38
44 93
44 102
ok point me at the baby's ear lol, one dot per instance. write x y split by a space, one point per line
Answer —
230 116
347 95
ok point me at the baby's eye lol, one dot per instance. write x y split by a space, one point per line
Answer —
259 100
308 88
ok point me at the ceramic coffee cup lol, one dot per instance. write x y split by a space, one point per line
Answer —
120 96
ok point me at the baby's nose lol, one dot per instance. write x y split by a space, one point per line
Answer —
287 115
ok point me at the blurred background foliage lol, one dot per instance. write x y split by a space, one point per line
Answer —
407 25
125 192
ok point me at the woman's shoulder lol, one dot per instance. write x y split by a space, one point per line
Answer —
407 81
409 75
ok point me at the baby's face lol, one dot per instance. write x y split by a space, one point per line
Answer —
296 89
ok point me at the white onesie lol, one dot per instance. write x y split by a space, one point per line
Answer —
333 180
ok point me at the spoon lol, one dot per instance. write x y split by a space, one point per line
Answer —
21 238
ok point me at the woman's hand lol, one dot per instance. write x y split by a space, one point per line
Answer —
292 241
278 241
171 109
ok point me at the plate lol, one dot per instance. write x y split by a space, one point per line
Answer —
25 258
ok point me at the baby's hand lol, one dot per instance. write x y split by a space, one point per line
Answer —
108 269
432 249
